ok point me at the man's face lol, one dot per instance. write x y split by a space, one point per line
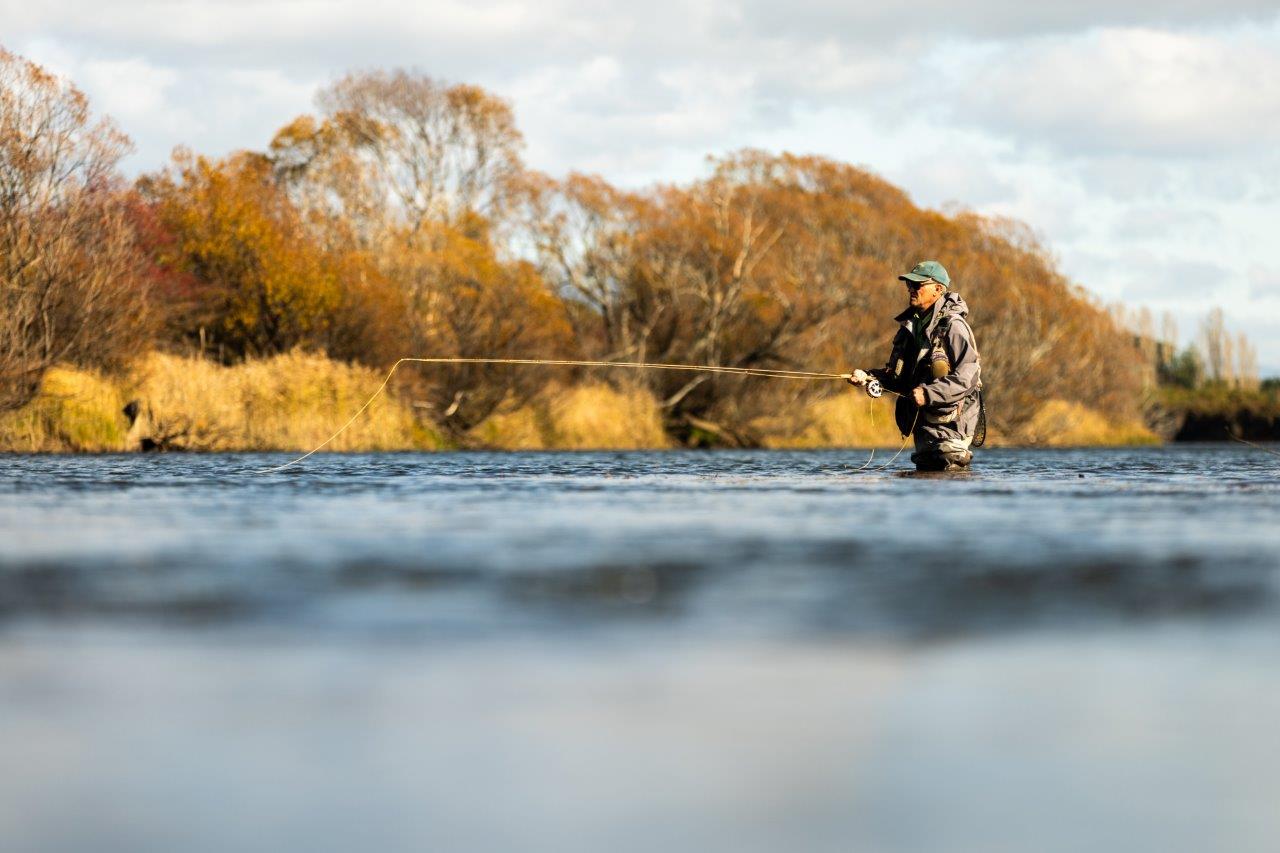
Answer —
924 294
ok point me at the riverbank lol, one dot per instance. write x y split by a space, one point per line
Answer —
1213 413
294 402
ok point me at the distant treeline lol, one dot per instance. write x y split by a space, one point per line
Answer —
1208 389
400 220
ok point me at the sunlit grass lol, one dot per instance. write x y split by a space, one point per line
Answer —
593 416
845 420
1060 423
76 410
289 402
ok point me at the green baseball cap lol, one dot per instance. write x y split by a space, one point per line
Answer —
928 271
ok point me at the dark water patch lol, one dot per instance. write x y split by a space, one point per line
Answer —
365 573
608 590
947 602
792 589
60 590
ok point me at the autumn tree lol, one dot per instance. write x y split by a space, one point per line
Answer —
419 174
462 299
584 234
69 284
1040 335
1247 363
1216 343
394 150
763 264
258 286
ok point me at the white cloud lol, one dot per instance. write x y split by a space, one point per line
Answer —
601 117
1152 276
1264 282
1164 222
951 175
1136 91
297 27
988 19
130 89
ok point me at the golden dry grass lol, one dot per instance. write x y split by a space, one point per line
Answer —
845 420
523 429
592 416
290 402
1060 423
75 411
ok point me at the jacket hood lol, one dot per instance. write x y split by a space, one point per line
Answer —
951 304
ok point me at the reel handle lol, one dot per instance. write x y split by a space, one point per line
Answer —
871 386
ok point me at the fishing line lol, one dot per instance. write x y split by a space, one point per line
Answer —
1234 437
905 439
872 408
901 447
766 373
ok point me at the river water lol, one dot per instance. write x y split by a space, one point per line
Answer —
736 651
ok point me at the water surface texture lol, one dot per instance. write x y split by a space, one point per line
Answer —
638 651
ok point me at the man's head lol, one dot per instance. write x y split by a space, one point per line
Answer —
926 283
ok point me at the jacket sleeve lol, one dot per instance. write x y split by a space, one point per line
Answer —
963 378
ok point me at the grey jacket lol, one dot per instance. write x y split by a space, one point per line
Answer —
951 401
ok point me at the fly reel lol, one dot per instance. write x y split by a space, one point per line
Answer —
869 383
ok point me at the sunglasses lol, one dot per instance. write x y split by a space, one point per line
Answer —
913 286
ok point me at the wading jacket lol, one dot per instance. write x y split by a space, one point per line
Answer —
950 411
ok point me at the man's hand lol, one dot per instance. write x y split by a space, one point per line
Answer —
857 378
918 395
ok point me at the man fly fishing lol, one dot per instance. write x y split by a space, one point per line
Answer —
933 367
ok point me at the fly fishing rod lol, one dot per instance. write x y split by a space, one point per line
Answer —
872 386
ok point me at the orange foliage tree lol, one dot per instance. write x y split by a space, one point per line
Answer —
463 299
259 289
394 149
419 174
71 288
1041 336
246 278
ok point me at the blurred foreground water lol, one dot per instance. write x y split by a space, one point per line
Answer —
635 651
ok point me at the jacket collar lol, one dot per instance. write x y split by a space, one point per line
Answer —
934 316
946 304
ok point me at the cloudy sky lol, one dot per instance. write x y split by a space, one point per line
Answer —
1140 139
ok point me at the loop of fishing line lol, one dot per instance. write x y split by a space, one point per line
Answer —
762 372
906 438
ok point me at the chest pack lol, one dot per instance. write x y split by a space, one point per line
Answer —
939 359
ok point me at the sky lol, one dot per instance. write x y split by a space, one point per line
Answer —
1140 140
